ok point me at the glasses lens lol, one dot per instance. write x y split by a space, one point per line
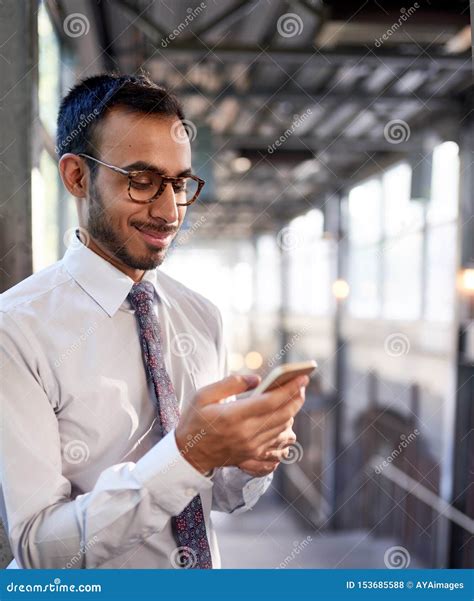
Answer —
146 185
185 190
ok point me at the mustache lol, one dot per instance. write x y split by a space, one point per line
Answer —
163 229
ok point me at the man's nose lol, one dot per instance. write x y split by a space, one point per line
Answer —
164 207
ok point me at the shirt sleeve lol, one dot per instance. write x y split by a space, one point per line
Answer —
46 527
234 490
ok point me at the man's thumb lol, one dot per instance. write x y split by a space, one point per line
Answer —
213 393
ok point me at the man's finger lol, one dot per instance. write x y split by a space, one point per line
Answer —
213 393
269 402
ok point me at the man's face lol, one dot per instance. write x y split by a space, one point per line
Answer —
134 235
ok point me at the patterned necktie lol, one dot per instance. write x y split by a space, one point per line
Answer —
189 528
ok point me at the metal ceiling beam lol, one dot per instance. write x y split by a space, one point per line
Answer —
302 95
333 144
232 13
148 26
195 49
186 52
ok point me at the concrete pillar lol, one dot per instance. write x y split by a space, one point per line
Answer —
18 106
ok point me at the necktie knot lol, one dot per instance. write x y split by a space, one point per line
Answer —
141 294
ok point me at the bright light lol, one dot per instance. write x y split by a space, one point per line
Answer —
340 289
241 164
242 288
466 281
253 360
236 361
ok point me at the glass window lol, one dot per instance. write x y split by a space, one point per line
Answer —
444 183
364 297
268 292
365 213
400 214
402 276
441 272
310 265
44 212
45 188
49 71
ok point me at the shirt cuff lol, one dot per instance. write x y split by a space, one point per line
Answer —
169 477
255 488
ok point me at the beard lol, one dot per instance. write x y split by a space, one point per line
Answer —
101 228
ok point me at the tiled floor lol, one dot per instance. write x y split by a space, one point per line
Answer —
270 536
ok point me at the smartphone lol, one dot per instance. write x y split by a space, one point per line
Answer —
283 374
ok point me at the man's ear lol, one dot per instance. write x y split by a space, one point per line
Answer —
73 174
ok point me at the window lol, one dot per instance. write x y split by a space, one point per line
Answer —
268 291
397 245
442 234
310 264
444 201
365 234
46 192
402 248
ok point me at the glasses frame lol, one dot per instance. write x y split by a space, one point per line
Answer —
164 181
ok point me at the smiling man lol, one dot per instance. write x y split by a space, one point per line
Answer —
116 445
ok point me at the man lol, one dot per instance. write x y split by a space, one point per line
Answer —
116 444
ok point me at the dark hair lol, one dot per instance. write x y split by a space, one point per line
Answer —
86 104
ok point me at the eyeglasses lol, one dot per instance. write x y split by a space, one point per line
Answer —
145 185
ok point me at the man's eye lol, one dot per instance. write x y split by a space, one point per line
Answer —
141 182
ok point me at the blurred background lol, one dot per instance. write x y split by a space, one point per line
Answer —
337 140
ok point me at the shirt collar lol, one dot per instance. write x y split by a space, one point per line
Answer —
106 284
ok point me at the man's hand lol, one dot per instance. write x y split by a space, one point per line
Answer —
214 434
272 456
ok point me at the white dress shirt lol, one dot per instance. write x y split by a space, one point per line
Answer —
86 480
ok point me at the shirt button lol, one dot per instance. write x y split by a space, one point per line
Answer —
190 492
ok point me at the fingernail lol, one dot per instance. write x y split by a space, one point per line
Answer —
251 380
302 381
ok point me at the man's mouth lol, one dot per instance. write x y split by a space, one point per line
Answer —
155 238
